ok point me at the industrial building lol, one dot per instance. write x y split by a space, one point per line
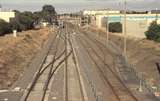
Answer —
137 24
89 16
99 12
6 15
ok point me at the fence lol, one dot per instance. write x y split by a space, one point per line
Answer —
143 82
153 89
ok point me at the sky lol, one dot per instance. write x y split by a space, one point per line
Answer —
63 6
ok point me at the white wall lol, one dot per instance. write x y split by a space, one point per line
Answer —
7 15
137 28
95 12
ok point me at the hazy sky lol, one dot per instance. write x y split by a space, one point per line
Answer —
76 5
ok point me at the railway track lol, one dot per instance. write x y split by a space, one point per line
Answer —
77 69
120 90
47 69
104 49
72 60
69 46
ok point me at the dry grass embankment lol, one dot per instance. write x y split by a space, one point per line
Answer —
17 53
142 53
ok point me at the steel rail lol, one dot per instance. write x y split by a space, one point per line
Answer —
51 69
37 75
42 69
52 62
75 63
129 92
100 70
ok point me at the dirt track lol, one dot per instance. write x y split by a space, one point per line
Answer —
17 53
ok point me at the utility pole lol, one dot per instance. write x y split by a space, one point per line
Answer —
156 15
107 30
0 6
125 31
66 63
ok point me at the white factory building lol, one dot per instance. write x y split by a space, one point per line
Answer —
137 24
6 15
99 12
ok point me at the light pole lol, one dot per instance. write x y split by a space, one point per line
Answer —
125 31
107 27
66 63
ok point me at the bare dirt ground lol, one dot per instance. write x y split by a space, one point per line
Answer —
17 53
141 53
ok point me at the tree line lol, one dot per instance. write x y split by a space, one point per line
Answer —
27 20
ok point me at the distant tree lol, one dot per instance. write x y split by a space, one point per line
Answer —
16 11
28 14
49 9
37 16
27 20
48 13
153 32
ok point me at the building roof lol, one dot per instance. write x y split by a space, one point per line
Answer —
155 11
5 10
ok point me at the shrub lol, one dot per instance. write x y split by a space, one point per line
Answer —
16 25
4 27
153 32
26 21
115 27
23 21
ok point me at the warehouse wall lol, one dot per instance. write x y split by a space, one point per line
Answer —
137 28
137 25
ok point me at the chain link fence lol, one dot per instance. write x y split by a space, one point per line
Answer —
153 88
143 82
